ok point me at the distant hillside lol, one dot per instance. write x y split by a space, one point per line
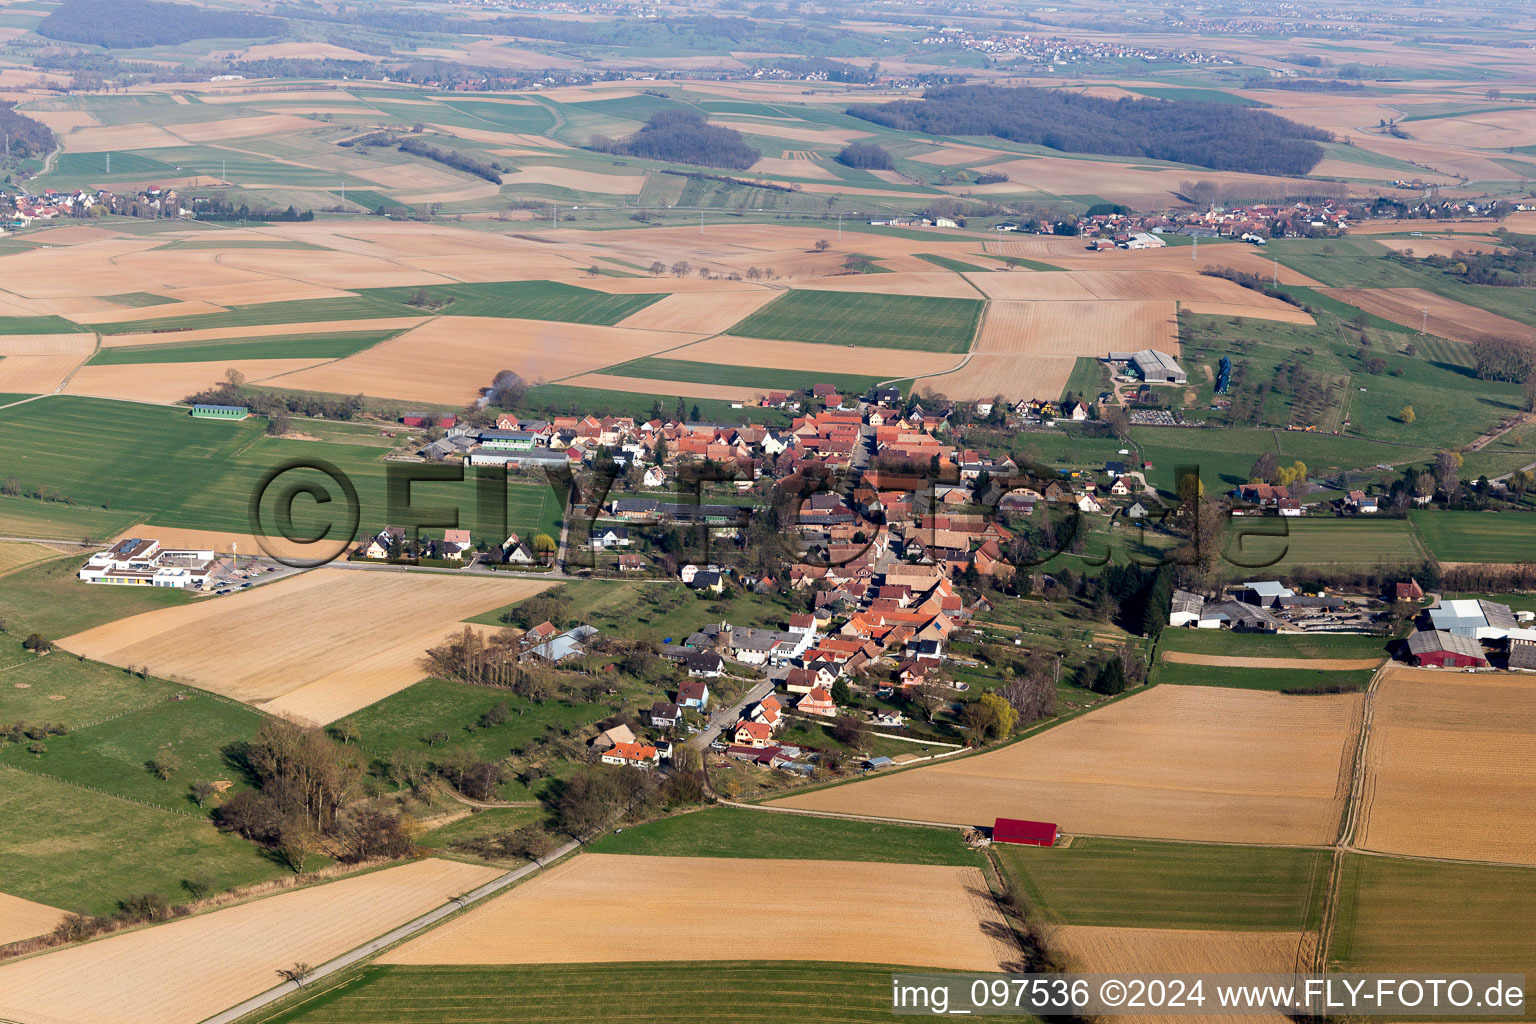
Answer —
133 24
685 137
29 138
1220 136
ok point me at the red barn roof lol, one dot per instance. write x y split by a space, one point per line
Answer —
1028 833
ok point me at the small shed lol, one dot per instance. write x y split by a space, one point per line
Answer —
1024 833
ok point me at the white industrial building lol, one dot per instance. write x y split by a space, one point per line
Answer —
143 563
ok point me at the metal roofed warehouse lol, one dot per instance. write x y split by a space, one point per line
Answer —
1155 367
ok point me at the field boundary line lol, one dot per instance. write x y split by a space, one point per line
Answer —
1348 823
103 792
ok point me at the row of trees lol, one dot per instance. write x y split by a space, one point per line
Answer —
457 159
27 138
135 24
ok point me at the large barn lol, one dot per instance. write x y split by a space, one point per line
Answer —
1024 833
1437 648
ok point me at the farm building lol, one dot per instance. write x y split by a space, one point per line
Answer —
220 412
1154 366
1482 620
1025 833
1185 609
1522 655
1435 648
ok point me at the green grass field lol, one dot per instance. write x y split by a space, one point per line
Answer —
485 823
138 300
406 719
1141 884
957 266
265 314
78 849
1477 536
525 300
138 458
765 377
198 729
1223 643
856 318
668 992
565 400
49 599
735 832
38 325
1272 546
1257 679
1403 916
311 346
90 692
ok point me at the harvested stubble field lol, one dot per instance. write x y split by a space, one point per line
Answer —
167 383
1447 317
1127 284
254 333
582 910
1331 664
940 286
699 312
1285 315
1172 762
1451 767
1128 951
1447 247
449 359
18 554
187 970
23 919
268 648
1030 348
35 375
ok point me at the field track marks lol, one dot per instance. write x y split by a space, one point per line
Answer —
1349 823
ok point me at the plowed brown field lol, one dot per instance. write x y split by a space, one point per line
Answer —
187 970
1131 951
700 312
576 911
35 375
1028 349
1173 762
23 919
1447 318
450 359
269 647
1451 767
171 383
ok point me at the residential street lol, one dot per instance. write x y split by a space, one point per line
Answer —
720 719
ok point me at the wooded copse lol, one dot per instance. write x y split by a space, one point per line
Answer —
28 138
683 136
866 156
1219 136
132 24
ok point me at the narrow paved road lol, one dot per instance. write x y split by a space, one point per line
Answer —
366 950
702 739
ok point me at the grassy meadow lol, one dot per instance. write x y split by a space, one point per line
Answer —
736 832
1127 883
856 318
